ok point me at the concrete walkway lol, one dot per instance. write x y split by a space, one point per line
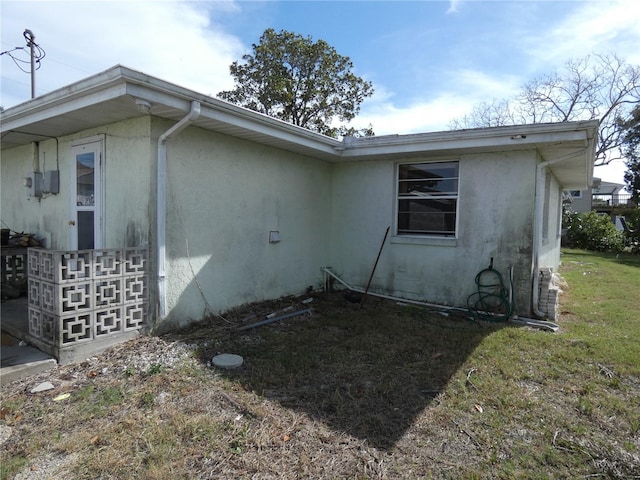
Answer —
18 359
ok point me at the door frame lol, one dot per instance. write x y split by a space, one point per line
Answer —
94 143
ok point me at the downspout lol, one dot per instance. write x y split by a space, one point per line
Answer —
161 197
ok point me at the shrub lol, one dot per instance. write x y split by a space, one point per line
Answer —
631 237
592 231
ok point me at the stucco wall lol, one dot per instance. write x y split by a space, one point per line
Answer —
130 203
582 203
127 183
552 218
495 219
224 196
21 213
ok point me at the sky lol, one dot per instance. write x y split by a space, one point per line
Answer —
430 62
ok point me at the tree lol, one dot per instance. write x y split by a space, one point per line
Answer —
599 87
630 130
306 83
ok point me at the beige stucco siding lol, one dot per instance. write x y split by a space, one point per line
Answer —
495 219
130 200
224 196
552 223
126 180
21 213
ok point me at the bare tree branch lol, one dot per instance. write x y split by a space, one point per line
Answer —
599 87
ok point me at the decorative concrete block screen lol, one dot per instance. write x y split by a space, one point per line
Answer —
76 297
13 266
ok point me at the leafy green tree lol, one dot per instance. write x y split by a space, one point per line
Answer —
300 81
601 87
631 149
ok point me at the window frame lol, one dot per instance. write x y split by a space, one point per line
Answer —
575 193
97 146
443 236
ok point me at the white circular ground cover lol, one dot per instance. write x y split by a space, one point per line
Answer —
227 360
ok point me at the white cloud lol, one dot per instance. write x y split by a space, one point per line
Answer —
453 6
593 27
428 116
175 41
464 90
483 86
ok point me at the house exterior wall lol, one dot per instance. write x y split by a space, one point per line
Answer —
129 192
224 196
583 202
22 213
552 224
126 177
495 219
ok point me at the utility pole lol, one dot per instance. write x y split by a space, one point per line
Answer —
30 37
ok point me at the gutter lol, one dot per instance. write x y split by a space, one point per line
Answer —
161 197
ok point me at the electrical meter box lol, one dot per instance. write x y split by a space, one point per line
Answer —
51 181
33 182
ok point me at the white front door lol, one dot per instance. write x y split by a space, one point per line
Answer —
86 211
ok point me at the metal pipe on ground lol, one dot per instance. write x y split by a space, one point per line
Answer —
529 322
275 319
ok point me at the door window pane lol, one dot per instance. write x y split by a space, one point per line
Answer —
85 230
85 169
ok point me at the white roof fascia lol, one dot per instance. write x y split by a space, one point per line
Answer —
280 130
89 84
498 138
44 111
220 110
236 116
119 81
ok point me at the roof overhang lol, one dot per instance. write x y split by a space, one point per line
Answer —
567 148
113 95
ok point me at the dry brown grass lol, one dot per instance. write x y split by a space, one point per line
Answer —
386 391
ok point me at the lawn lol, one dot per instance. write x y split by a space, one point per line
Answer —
384 391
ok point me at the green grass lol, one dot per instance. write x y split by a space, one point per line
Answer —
384 391
580 404
604 304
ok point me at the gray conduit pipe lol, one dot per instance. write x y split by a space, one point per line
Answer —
389 297
530 322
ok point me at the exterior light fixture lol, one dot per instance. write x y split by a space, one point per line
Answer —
143 106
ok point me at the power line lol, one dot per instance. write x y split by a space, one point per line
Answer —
35 55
